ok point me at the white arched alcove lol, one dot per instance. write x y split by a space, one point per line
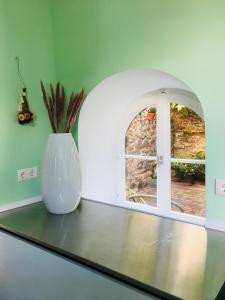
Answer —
104 117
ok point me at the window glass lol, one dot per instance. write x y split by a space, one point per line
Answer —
188 188
141 181
187 133
141 134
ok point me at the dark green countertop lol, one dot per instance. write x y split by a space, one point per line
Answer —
168 258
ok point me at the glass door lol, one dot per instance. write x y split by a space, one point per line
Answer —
141 158
187 161
165 160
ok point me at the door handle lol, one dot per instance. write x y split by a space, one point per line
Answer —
159 160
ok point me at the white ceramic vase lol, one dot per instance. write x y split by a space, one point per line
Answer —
60 179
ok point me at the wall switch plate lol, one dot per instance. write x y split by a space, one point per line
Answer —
220 187
25 174
32 172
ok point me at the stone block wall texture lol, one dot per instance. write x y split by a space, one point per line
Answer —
140 140
187 134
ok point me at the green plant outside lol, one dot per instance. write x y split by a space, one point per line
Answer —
184 170
152 110
182 109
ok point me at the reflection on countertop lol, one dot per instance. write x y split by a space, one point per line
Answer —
171 258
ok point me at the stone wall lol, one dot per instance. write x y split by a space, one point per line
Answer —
141 136
140 140
140 173
187 134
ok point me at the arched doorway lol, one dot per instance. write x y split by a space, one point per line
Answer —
104 119
164 157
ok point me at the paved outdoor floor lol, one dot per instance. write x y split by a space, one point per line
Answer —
191 198
187 198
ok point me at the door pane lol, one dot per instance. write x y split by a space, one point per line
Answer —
141 185
141 134
187 133
188 188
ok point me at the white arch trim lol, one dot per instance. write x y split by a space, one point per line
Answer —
102 122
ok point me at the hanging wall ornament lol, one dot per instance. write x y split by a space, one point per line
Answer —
24 114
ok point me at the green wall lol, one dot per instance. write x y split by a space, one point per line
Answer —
25 31
184 38
90 40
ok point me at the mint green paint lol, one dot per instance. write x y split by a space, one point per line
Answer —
26 31
91 40
184 38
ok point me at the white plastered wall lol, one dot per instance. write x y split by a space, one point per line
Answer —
102 119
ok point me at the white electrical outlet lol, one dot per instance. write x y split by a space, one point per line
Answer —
21 174
25 174
220 187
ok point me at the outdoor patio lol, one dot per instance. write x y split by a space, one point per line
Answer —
186 198
190 198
